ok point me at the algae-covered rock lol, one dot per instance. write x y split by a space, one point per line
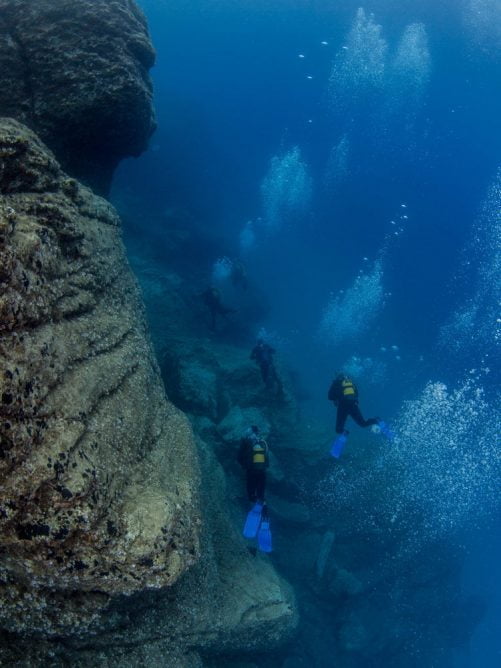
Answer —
98 472
99 478
76 72
198 387
220 381
235 423
230 602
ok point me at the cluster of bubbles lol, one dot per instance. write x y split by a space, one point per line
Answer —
272 338
475 327
377 92
247 239
438 476
373 371
221 270
483 20
363 70
350 313
488 241
412 62
337 168
445 458
409 73
286 189
358 69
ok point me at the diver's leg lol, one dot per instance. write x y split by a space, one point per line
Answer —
260 484
358 417
251 485
341 416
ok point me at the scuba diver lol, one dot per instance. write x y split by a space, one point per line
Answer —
253 456
263 353
344 393
212 299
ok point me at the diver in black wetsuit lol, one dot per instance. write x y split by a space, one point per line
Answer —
212 299
343 392
254 458
263 353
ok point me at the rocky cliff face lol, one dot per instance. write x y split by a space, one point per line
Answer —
98 475
102 539
76 72
99 478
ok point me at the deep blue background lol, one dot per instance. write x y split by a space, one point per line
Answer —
231 92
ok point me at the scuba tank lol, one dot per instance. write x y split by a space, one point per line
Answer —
259 454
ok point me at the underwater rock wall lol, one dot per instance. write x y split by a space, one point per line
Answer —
229 603
105 553
76 72
98 472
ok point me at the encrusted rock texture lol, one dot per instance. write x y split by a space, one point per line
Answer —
98 471
76 72
112 551
99 474
230 602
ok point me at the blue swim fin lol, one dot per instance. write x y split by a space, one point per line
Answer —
338 445
253 520
385 430
264 536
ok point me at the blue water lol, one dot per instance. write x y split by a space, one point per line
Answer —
386 147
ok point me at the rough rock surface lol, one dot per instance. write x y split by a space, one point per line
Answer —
99 480
76 72
219 381
98 472
229 603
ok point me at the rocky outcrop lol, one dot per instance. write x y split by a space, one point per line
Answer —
98 472
218 381
106 557
76 72
99 478
230 602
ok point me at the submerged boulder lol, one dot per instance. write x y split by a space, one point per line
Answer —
236 422
76 72
98 472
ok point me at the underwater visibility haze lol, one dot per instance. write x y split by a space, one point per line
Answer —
306 351
348 155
